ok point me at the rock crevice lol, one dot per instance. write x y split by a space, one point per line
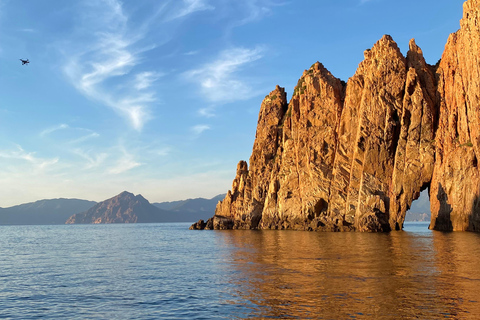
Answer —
353 157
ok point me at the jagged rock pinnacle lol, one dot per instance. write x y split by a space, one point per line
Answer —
354 157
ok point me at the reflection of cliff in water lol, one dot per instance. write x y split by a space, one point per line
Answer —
354 275
457 259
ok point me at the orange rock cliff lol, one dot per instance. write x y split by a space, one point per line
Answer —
353 157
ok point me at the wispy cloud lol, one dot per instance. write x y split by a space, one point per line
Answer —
248 11
199 129
187 7
191 53
207 112
86 137
219 80
255 10
53 129
20 154
145 80
163 152
86 133
125 163
109 57
93 161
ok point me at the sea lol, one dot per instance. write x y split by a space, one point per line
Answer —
165 271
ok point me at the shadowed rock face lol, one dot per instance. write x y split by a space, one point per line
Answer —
353 157
455 188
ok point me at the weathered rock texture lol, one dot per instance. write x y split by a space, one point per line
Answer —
353 157
455 188
123 208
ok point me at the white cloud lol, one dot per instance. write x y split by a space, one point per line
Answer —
45 163
207 112
125 163
85 138
188 7
255 10
219 81
199 129
248 11
109 56
163 152
34 162
118 61
53 129
191 53
93 161
145 80
90 134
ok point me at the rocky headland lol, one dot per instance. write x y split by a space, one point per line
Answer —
123 208
353 156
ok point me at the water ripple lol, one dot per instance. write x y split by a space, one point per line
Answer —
164 271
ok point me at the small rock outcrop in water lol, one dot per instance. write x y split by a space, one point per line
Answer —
123 208
353 157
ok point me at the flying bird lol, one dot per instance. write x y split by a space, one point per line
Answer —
24 61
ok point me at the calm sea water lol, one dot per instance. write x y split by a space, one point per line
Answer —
165 271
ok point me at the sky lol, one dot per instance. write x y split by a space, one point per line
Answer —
161 97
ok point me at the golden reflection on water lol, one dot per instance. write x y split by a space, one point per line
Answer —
308 275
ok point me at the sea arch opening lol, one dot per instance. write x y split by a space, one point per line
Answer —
419 211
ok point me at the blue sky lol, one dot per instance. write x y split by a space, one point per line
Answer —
161 97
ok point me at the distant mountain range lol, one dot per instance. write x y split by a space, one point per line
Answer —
422 217
191 209
420 209
122 208
53 211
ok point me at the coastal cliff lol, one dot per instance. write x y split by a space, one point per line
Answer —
353 157
455 187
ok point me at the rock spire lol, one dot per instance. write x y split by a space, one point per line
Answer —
455 187
353 157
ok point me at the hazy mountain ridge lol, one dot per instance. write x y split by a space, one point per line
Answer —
58 211
128 208
420 209
191 209
123 208
191 205
47 211
417 217
421 205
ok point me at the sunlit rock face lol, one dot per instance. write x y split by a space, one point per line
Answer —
455 187
353 157
245 202
385 151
